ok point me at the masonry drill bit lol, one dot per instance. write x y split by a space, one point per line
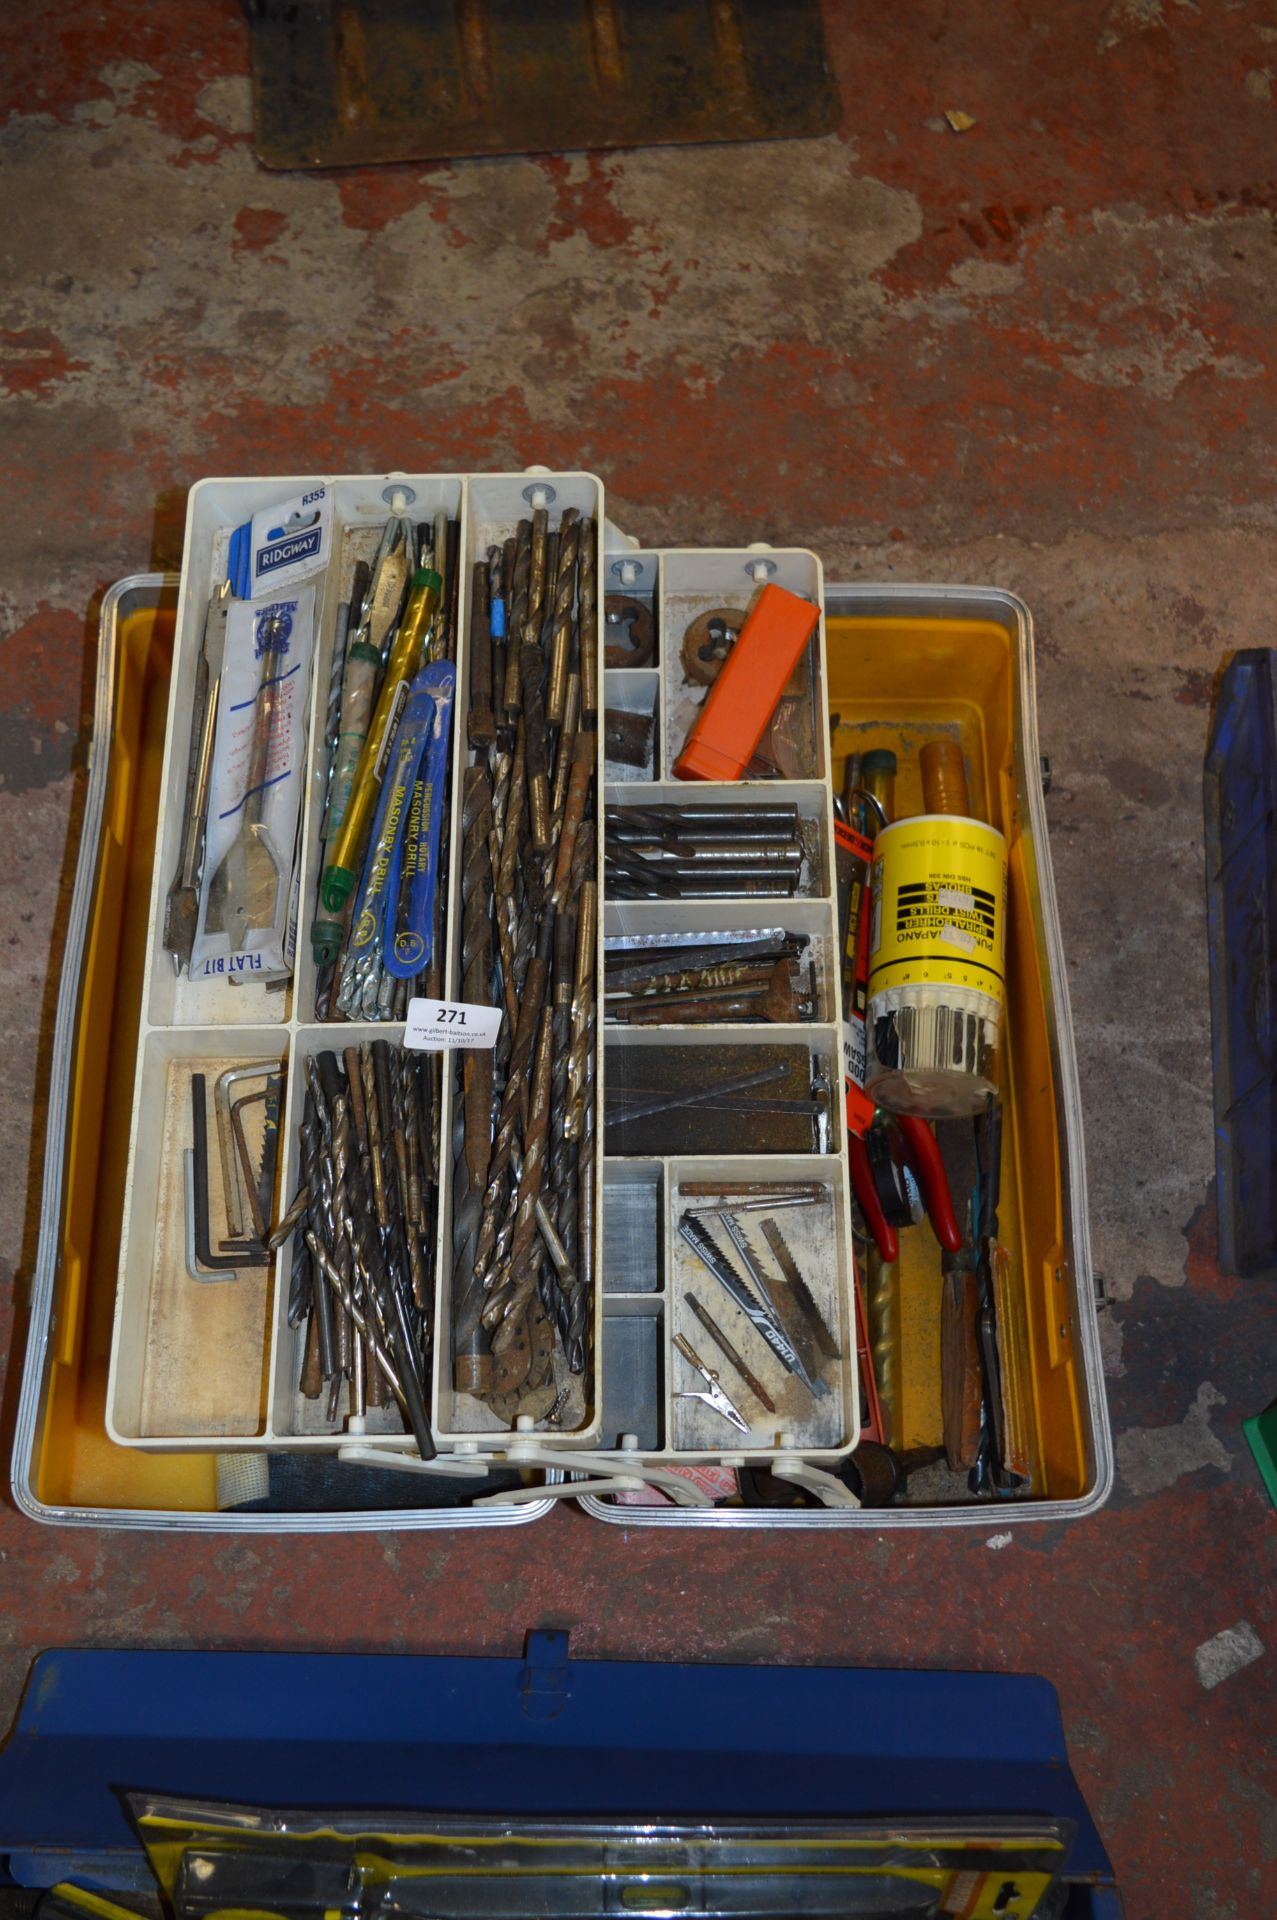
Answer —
562 604
587 597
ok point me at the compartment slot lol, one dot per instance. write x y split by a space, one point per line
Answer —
631 723
296 1417
633 1373
362 516
810 799
633 1226
649 1067
495 506
697 585
814 1238
189 1350
689 924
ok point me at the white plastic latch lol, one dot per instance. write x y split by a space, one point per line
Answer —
460 1467
603 1473
828 1489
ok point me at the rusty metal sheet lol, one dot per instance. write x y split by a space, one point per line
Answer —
341 83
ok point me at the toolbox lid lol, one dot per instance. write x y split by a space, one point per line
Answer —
1240 795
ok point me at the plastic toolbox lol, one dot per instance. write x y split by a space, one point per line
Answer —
893 666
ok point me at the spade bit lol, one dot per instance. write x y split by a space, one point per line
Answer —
182 907
243 893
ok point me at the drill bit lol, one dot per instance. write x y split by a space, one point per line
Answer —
517 619
730 1352
588 623
537 743
563 599
481 726
473 1151
508 1308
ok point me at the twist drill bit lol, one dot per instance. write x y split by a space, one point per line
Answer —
584 753
523 1262
367 1331
587 597
508 866
562 601
481 726
545 624
582 1005
473 1149
561 1002
517 618
566 748
502 570
531 671
372 1114
293 1218
323 1307
537 569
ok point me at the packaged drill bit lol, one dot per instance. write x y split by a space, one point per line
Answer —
282 546
247 914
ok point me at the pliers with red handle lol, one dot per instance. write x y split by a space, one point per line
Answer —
883 1161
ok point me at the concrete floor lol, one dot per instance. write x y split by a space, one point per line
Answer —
1038 354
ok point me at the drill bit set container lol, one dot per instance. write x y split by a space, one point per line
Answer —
493 1244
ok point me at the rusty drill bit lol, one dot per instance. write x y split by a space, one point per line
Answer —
323 1307
524 1263
721 1340
537 744
579 782
562 602
376 1166
582 1003
588 623
561 1005
473 1148
516 618
563 756
537 570
481 726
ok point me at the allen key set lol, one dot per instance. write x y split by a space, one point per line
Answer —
505 1099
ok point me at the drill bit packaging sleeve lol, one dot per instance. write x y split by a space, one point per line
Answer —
281 546
248 897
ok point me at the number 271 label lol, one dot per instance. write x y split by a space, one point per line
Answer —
436 1024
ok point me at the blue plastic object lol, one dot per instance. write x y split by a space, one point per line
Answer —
539 1735
1240 792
